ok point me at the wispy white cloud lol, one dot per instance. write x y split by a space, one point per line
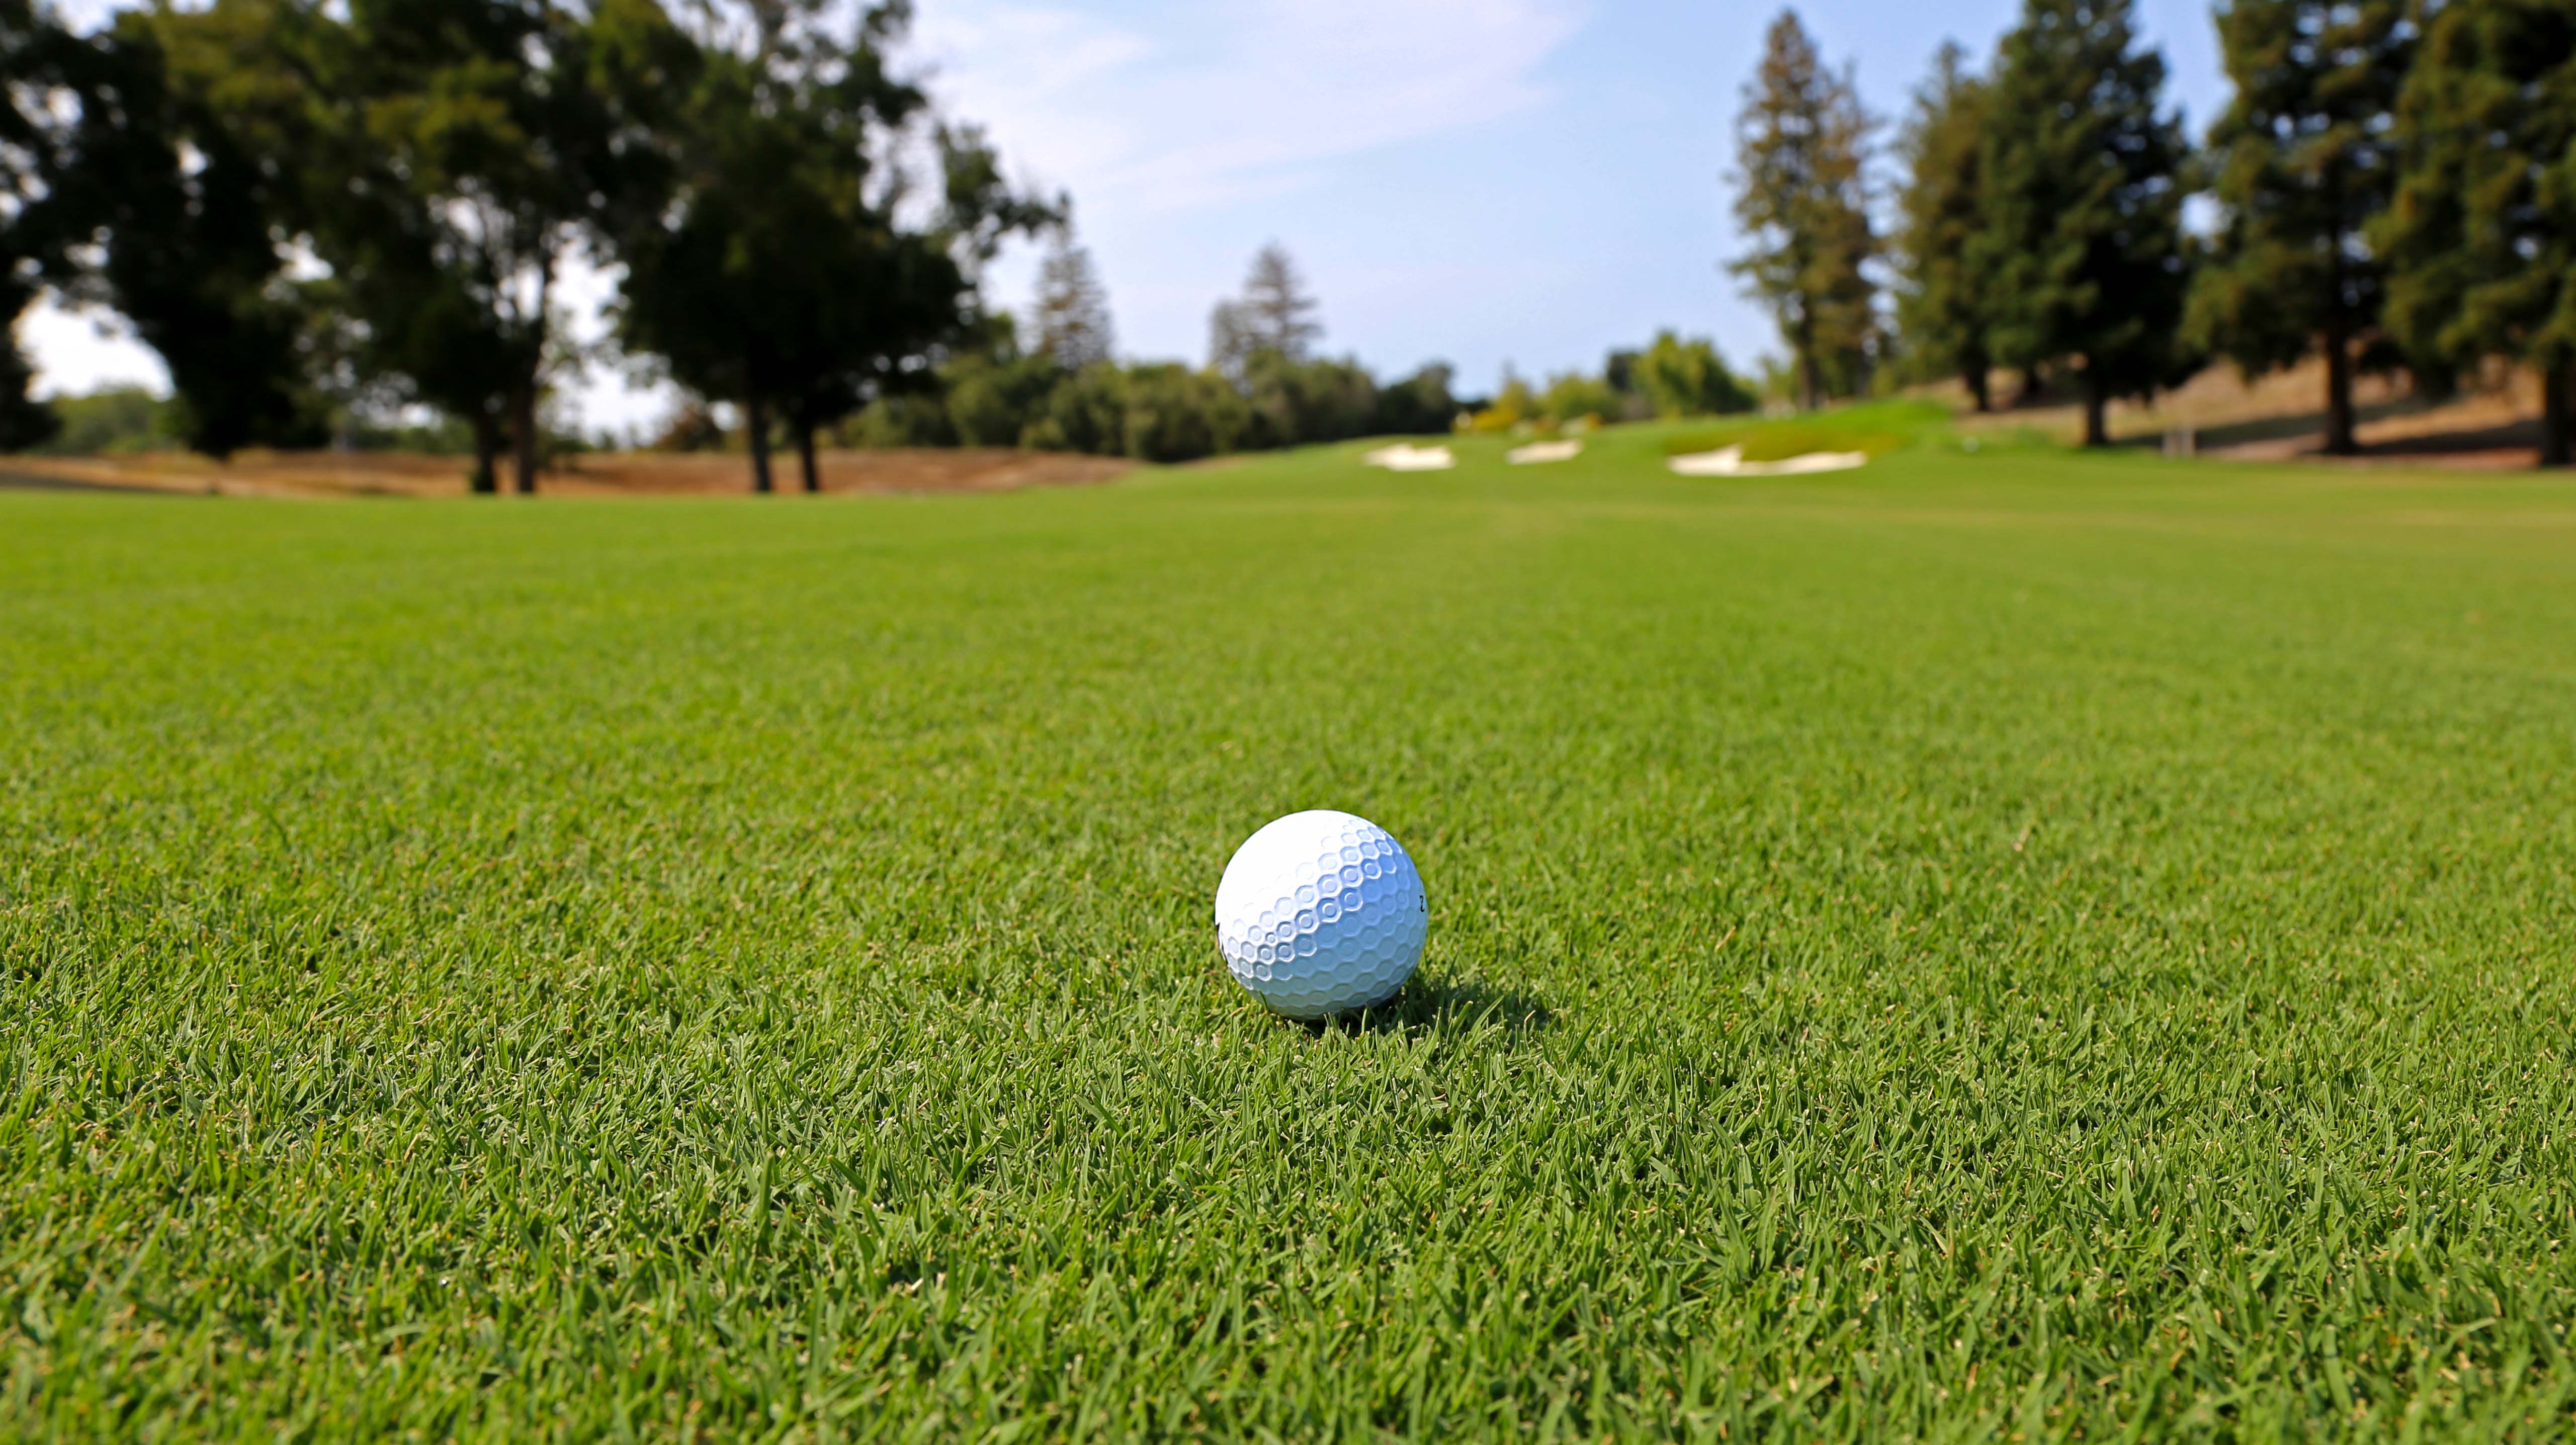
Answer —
1199 105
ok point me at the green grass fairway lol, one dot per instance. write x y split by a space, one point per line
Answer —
1988 948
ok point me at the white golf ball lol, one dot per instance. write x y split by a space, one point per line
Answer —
1321 913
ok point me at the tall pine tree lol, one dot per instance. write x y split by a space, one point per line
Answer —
1943 303
2305 160
2084 179
2481 237
1072 322
1802 157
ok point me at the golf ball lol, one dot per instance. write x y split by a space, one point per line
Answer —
1321 913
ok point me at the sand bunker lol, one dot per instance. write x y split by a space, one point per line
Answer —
1730 462
1403 457
1537 452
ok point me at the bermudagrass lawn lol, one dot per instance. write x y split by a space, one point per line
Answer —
1996 948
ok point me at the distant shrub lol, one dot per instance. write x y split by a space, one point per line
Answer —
1293 403
1514 404
693 428
1418 405
117 419
1175 414
903 421
991 401
1086 412
1688 378
1576 397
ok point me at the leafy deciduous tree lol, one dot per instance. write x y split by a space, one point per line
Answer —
460 152
136 194
783 274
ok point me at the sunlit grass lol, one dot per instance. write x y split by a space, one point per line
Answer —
1875 427
1968 947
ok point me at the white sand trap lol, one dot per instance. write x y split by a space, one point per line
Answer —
1537 452
1730 462
1403 457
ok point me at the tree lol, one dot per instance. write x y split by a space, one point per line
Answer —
786 272
1073 325
458 153
26 38
1418 405
1296 402
2305 160
2084 178
136 195
1802 154
2480 237
1688 378
1274 314
1943 302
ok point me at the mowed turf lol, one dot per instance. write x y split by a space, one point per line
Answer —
1977 948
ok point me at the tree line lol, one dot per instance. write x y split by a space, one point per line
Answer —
1058 387
2393 185
309 206
1056 384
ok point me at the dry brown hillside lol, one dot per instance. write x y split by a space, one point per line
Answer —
2281 417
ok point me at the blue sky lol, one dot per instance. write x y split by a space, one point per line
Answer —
1481 181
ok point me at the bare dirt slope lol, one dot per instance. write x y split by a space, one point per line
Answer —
2281 417
405 474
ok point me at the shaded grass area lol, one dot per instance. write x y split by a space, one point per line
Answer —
1969 947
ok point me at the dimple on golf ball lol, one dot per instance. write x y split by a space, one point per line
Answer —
1321 913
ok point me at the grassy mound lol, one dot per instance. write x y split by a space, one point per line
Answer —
1876 428
2029 946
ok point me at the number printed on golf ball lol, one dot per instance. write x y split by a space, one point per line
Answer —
1321 913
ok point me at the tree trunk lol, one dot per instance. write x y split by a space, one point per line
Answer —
755 427
1811 379
2339 438
805 459
523 437
1980 390
2558 415
2097 405
2033 387
487 453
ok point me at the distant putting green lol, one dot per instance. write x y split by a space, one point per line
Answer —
1996 947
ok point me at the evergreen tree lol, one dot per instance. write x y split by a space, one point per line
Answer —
2480 238
1072 322
2084 177
2305 160
1942 307
1274 314
1802 145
